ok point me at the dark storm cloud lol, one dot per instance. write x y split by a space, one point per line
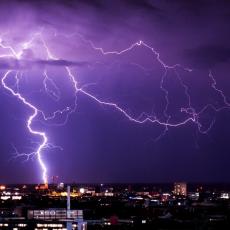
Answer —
195 6
97 3
139 4
14 64
61 63
102 4
208 56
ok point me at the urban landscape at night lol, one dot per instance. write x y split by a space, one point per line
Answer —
115 206
115 114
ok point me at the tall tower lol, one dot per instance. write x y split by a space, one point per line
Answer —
69 223
80 223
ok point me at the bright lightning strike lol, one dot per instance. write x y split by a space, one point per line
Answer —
31 130
166 122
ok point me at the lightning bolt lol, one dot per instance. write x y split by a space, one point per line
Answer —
42 135
29 123
193 116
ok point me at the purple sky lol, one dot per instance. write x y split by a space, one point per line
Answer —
99 144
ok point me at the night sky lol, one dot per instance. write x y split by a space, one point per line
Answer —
98 143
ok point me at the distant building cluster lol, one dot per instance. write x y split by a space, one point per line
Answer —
180 189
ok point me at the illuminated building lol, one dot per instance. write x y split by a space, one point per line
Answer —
224 195
55 214
2 187
42 187
180 189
